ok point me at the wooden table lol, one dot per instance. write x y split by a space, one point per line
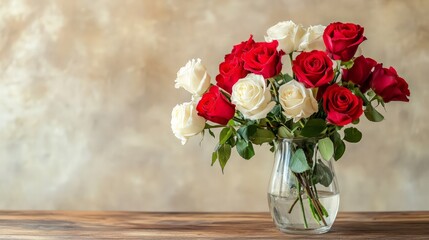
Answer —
142 225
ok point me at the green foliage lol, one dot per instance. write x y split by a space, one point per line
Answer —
225 134
224 153
283 132
322 174
352 135
246 131
373 115
245 149
298 162
326 148
214 157
339 146
313 128
262 136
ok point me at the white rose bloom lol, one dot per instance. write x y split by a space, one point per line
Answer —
313 39
287 34
193 77
252 97
297 101
185 121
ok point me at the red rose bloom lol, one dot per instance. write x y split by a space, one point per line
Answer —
341 105
232 69
241 48
313 69
360 72
387 84
342 40
215 107
230 72
263 59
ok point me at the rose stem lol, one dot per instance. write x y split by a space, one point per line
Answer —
312 198
293 204
302 205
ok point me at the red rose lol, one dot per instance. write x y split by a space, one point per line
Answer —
263 59
360 72
241 48
341 105
232 69
230 72
215 107
387 84
313 69
342 40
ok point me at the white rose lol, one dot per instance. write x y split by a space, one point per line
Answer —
185 121
193 77
313 39
252 97
287 34
297 101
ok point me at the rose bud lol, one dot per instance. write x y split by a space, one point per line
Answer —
360 72
387 84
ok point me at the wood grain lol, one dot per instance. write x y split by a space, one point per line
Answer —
143 225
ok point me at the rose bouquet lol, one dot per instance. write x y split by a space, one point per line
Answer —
327 86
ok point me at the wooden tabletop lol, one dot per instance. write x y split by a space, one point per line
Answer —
143 225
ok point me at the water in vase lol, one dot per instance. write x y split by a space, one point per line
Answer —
280 207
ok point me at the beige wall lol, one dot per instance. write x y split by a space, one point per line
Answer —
86 91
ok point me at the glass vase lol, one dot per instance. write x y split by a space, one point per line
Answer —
305 202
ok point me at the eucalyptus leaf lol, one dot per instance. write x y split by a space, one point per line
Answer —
352 135
298 162
245 149
313 128
326 148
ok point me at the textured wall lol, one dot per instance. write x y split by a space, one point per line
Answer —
86 91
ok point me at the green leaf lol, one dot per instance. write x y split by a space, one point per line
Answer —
372 114
224 135
246 131
298 162
326 148
277 109
352 135
313 128
339 146
224 152
322 174
245 149
283 132
262 136
314 211
214 157
287 78
211 133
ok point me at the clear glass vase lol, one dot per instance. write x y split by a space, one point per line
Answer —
306 202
